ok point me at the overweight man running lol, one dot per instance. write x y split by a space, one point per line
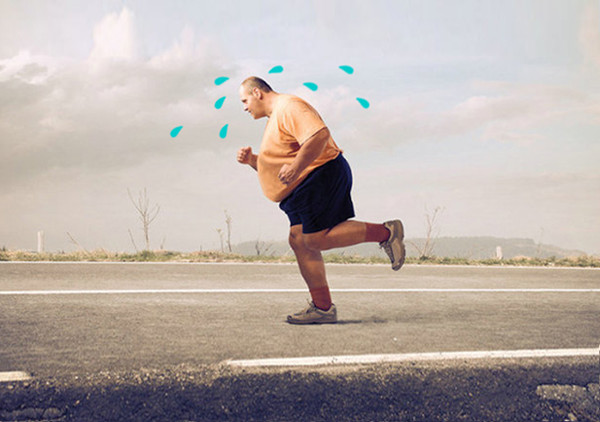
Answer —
300 166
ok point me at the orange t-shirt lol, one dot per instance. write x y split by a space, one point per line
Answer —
292 122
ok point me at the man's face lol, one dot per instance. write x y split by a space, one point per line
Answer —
252 101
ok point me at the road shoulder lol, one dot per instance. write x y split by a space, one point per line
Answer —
420 391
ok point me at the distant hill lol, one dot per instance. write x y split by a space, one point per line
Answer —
485 247
452 247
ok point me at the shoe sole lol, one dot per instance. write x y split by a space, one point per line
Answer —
295 322
316 317
403 248
400 234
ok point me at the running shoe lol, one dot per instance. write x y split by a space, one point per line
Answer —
394 246
314 315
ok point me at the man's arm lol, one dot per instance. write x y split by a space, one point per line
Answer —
310 150
245 156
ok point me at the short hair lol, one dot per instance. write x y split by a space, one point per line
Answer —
256 82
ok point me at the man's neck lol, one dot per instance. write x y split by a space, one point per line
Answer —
270 100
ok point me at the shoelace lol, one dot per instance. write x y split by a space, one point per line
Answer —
308 309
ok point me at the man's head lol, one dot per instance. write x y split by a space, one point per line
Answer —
256 95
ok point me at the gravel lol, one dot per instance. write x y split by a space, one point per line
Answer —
573 401
507 390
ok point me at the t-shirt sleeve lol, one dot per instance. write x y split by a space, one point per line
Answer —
301 121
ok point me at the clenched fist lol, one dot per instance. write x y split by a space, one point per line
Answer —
245 156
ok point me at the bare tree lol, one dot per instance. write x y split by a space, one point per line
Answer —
432 232
220 231
133 241
146 214
76 243
228 223
262 248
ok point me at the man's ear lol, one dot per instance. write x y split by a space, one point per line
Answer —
257 93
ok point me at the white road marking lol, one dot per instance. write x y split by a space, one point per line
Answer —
144 291
14 376
293 263
411 357
179 291
186 291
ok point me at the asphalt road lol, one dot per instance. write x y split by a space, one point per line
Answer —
52 334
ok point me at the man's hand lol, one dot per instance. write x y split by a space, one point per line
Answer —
288 174
245 156
310 150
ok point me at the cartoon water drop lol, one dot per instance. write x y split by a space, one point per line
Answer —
348 69
223 132
363 102
221 80
276 69
311 86
176 131
219 103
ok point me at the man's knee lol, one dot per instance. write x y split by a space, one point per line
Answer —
296 239
315 241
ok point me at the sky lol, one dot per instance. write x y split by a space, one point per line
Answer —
488 110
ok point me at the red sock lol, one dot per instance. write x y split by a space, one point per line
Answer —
376 233
321 297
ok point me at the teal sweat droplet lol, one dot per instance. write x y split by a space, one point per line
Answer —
176 131
311 86
276 69
221 80
349 70
223 132
219 103
363 102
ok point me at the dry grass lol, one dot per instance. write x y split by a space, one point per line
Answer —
102 255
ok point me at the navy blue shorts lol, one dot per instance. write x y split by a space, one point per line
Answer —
322 200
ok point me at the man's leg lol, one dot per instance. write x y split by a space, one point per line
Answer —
312 268
390 236
347 233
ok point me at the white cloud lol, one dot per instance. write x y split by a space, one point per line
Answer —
115 37
57 124
186 50
504 112
105 113
28 68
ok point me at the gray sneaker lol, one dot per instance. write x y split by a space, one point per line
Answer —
314 315
394 246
